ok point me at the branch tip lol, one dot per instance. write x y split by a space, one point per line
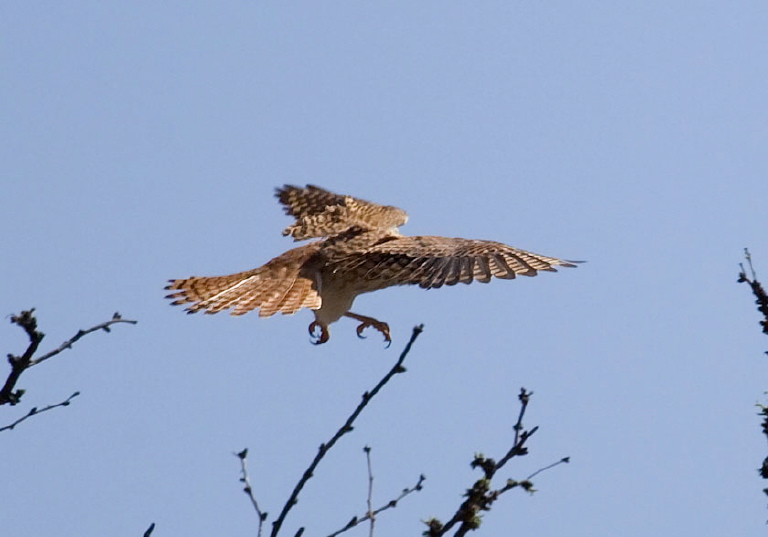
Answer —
345 428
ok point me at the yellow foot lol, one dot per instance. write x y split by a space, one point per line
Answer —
324 333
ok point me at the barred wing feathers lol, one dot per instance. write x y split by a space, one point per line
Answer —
320 213
282 285
432 262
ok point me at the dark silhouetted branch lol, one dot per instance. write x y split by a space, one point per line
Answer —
344 429
371 513
248 489
757 290
35 411
480 497
116 318
19 364
762 306
564 460
150 529
369 500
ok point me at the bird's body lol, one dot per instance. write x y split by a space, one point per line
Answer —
360 250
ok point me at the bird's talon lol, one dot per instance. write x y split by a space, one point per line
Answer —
378 325
360 329
318 339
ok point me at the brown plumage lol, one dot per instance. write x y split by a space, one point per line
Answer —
320 213
360 250
279 286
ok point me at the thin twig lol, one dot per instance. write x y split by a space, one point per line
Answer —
34 411
748 257
521 436
757 290
370 514
564 460
150 529
344 429
389 505
68 344
248 489
480 497
26 320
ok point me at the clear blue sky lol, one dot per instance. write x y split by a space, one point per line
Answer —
142 141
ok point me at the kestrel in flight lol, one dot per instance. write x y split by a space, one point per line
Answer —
360 250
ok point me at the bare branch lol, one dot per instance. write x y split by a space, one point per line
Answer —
19 364
34 411
369 500
564 460
28 322
116 318
521 436
150 529
243 455
757 290
480 497
762 307
344 429
389 505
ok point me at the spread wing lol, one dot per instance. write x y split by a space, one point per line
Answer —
432 262
321 213
285 284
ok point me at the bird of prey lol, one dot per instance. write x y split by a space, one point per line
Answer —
359 250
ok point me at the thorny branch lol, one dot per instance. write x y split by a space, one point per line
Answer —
19 364
344 429
371 513
481 496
